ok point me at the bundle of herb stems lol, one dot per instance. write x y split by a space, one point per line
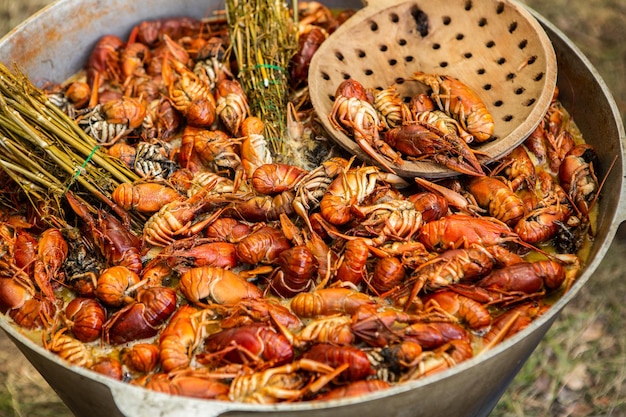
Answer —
46 153
264 37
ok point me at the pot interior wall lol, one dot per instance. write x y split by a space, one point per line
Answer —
601 126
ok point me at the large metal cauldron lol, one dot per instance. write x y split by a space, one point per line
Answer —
53 44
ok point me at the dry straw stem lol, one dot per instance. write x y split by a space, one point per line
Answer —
264 37
45 151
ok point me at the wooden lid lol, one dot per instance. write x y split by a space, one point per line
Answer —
496 47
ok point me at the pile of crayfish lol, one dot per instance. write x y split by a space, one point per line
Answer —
439 126
253 280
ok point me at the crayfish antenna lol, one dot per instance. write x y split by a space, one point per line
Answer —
593 202
93 100
502 333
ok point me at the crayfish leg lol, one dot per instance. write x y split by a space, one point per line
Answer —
321 382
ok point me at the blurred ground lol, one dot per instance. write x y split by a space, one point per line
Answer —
598 28
578 370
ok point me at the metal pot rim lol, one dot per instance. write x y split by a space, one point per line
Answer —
222 406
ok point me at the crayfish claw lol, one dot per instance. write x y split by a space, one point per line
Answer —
369 149
459 165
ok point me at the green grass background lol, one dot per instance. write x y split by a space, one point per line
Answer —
578 370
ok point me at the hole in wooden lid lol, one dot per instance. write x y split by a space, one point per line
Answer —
421 20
